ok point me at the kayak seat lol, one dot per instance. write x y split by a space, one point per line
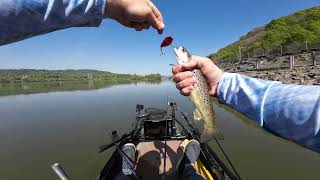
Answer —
151 157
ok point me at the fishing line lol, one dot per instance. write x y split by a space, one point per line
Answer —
165 152
227 158
165 138
168 42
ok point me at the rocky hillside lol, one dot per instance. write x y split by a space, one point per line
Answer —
284 35
305 71
297 75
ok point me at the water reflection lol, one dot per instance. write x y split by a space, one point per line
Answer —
45 87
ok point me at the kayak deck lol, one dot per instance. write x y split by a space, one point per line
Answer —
151 158
156 158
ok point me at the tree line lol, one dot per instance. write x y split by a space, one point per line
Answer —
291 33
34 75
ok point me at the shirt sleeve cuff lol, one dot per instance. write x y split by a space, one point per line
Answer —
223 85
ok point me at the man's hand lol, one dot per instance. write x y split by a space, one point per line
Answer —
185 80
138 14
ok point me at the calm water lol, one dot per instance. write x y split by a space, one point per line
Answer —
37 130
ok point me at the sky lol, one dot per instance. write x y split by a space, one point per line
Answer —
202 26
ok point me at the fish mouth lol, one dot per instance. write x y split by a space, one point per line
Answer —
182 55
179 54
177 50
181 51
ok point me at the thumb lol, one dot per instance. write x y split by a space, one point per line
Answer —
190 65
155 18
155 23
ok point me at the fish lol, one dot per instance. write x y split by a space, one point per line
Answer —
204 116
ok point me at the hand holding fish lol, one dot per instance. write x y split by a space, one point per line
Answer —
198 78
185 79
137 14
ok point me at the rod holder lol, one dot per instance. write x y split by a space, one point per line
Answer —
313 57
257 64
291 62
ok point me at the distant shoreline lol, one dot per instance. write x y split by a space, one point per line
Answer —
37 75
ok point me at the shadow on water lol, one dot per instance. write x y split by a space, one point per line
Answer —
244 119
7 89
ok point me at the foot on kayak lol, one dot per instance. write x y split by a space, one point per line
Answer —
190 153
130 150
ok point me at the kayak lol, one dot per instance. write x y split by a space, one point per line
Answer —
157 134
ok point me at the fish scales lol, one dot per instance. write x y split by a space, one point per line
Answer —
203 87
201 99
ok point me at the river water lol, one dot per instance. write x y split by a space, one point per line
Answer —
42 124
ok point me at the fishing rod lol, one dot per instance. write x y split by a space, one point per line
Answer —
224 167
132 133
124 156
60 172
194 135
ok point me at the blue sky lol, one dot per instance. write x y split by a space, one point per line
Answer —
202 26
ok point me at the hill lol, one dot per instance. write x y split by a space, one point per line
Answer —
287 34
35 75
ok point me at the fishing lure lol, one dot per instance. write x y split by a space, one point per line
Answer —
166 42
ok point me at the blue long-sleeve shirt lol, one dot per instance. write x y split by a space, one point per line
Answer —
21 19
290 111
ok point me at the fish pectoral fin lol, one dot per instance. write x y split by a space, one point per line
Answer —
198 121
197 115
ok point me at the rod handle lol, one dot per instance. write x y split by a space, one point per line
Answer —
104 147
57 168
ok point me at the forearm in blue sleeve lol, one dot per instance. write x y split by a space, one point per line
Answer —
21 19
289 111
